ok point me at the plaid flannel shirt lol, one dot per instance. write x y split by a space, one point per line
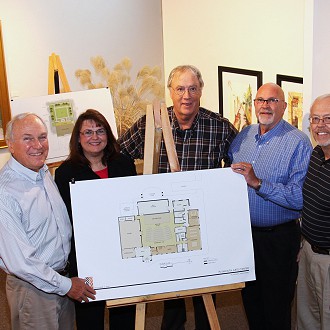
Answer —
204 146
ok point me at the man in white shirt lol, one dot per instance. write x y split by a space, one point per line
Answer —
35 234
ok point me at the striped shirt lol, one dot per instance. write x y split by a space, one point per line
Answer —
316 192
280 158
35 229
204 146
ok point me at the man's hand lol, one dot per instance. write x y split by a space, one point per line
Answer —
81 291
247 171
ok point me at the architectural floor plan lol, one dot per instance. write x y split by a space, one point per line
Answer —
161 226
169 232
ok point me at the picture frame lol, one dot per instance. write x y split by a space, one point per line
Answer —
293 93
237 88
4 96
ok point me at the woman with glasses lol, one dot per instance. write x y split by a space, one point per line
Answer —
94 154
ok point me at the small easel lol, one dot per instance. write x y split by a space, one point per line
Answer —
55 74
158 124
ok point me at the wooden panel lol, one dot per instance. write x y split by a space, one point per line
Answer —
4 95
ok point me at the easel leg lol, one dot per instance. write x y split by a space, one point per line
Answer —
54 65
140 316
211 312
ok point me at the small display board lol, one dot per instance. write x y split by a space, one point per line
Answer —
59 111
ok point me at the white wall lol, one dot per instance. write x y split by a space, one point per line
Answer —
76 30
308 58
285 37
320 63
316 53
256 35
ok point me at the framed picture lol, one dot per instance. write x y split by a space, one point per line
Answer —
293 92
237 88
4 96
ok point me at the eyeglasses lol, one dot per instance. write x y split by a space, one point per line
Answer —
180 90
89 132
271 100
316 120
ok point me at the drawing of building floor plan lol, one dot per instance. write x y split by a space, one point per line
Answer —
61 116
161 226
162 233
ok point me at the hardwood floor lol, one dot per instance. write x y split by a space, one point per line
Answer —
4 310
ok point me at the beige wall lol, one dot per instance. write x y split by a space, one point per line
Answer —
76 30
4 156
317 49
243 34
285 37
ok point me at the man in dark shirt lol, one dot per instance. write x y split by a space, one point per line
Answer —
202 140
313 292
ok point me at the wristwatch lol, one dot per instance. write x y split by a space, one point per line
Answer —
257 188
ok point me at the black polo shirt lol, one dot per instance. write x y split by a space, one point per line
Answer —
316 194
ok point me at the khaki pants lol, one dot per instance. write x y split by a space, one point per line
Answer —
31 308
313 290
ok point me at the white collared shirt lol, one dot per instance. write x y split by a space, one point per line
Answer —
35 230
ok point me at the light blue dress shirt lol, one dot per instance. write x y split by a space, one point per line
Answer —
280 158
35 229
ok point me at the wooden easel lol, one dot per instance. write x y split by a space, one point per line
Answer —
158 124
55 75
206 293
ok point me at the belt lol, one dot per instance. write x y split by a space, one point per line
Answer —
64 271
319 250
284 225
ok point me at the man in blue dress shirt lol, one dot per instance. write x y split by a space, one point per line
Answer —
273 157
35 234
